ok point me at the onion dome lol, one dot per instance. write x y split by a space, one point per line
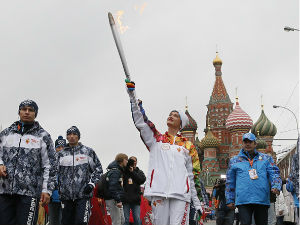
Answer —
264 126
209 141
217 60
261 144
192 125
238 119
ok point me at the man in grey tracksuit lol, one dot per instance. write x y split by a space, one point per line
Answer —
27 168
79 171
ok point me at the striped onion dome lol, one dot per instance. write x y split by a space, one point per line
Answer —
209 141
192 125
264 126
238 119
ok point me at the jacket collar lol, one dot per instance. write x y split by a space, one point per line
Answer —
243 153
16 127
77 147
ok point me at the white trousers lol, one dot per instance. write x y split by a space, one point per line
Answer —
116 214
170 211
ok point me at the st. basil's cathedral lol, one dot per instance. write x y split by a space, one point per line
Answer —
224 129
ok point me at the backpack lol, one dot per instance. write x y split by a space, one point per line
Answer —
102 185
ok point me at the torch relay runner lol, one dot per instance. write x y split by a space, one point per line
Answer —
170 184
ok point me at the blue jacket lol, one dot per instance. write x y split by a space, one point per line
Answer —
241 190
115 182
290 188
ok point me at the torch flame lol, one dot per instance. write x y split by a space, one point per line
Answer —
140 8
119 22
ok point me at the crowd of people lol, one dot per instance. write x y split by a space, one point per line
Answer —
68 178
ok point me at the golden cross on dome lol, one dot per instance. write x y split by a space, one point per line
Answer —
236 94
261 102
186 104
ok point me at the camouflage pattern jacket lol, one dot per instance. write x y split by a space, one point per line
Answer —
30 161
78 167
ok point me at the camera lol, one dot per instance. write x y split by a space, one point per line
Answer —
130 163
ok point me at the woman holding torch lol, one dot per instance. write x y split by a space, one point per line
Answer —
170 182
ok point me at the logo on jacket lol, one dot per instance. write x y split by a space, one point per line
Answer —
165 146
27 141
179 149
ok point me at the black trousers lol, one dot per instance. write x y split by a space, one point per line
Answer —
76 212
260 214
18 210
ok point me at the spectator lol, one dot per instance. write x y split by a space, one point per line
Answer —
280 208
248 182
225 215
115 189
133 178
288 218
293 182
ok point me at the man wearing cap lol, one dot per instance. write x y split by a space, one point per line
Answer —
170 180
27 168
79 171
55 210
250 175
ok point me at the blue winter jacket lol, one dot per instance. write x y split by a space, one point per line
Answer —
241 190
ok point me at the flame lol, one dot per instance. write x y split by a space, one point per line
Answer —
140 8
119 22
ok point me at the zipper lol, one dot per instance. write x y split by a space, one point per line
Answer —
171 167
13 180
73 174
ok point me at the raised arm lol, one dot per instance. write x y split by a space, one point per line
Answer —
146 128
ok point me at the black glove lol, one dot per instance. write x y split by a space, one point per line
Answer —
88 189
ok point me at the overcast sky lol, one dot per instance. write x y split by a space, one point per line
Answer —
62 55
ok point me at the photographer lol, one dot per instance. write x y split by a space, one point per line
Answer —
133 178
225 215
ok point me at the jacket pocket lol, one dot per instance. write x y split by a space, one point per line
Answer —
152 174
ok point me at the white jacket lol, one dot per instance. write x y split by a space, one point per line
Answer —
170 171
280 205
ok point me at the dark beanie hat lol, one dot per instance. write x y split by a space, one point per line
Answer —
30 103
60 141
73 130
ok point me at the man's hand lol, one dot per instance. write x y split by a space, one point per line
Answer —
45 198
88 189
3 171
130 85
131 168
275 191
231 206
119 204
280 212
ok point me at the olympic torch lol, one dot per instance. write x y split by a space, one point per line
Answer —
118 44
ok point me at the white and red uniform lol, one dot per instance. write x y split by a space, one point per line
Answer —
170 179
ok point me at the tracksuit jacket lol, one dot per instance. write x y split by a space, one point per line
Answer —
242 190
78 166
29 159
170 172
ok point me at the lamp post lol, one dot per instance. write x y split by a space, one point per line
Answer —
278 106
288 29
